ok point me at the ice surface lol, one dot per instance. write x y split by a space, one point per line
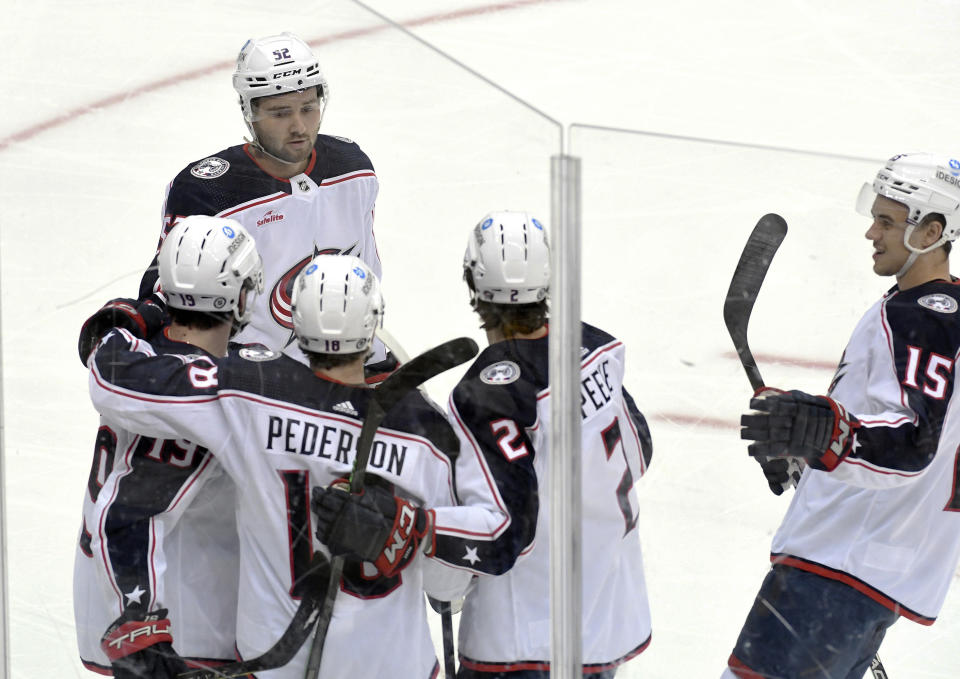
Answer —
105 101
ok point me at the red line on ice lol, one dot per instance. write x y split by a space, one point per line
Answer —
121 97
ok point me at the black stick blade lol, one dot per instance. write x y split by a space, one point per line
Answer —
745 286
421 368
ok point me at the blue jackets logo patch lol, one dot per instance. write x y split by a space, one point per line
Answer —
503 372
945 304
210 168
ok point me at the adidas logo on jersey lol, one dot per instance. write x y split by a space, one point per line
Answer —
346 408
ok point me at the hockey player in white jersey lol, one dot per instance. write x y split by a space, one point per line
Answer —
500 532
158 538
873 531
280 428
300 193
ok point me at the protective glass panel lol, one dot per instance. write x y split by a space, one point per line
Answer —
84 168
665 221
106 102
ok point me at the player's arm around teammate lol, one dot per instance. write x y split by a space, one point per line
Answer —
280 428
146 510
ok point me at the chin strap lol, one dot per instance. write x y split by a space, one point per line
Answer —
265 152
915 252
907 264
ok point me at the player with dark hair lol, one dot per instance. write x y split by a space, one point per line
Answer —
873 531
300 192
280 428
500 532
158 546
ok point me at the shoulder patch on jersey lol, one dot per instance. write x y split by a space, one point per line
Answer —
502 372
210 168
945 304
257 354
343 139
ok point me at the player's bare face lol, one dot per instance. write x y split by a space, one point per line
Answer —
886 233
287 126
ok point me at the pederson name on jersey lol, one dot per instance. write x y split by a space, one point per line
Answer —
298 437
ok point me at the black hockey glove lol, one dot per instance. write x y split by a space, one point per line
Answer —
796 424
781 472
139 646
143 319
374 525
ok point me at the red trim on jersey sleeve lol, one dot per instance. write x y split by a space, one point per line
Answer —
741 670
878 470
491 485
101 524
97 669
852 581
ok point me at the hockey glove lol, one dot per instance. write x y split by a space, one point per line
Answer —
781 472
143 319
374 525
139 646
796 424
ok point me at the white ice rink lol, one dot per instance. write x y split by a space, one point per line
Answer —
105 101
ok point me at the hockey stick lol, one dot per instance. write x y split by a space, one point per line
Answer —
407 377
443 608
446 625
761 246
289 642
745 285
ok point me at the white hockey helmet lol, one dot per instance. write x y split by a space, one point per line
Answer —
276 64
508 259
337 305
925 183
206 264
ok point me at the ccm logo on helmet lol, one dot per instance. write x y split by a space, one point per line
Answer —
287 73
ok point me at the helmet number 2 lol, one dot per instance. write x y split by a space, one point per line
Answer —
281 54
